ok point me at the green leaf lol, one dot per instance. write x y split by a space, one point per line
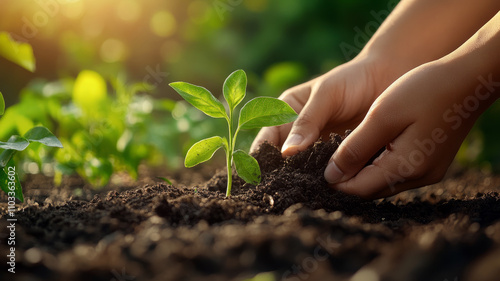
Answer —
42 135
18 53
2 104
265 111
200 98
234 88
89 90
247 167
5 157
165 180
4 183
202 151
16 143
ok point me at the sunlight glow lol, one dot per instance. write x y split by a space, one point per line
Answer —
73 9
163 24
113 50
128 10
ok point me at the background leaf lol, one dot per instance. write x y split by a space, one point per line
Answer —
16 143
264 112
42 135
235 88
165 180
200 98
2 104
18 53
5 157
89 90
202 151
4 183
247 167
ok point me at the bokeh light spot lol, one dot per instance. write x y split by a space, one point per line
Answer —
128 10
113 50
163 24
91 26
73 9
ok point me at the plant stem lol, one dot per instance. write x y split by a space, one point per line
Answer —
229 153
229 172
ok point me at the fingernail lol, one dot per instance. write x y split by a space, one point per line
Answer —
292 140
332 173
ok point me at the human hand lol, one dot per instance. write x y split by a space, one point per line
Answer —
421 119
333 102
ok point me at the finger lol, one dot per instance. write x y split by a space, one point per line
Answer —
375 131
270 134
401 168
376 181
311 121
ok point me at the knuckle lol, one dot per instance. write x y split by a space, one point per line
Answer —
293 99
305 119
286 95
321 87
291 93
379 117
351 155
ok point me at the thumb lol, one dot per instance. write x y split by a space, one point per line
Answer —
359 147
308 126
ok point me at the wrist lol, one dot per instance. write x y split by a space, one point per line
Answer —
468 88
383 73
476 64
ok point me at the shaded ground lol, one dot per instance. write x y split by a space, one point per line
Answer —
291 225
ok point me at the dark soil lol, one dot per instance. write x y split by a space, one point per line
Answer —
290 227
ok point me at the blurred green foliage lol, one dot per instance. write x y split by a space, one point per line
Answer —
284 41
19 53
279 43
106 126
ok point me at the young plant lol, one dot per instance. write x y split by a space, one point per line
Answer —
16 143
22 55
257 113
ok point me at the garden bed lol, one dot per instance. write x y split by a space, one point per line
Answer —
292 226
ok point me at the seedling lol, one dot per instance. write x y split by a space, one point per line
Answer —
21 54
257 113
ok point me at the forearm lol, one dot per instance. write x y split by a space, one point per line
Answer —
419 31
476 63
